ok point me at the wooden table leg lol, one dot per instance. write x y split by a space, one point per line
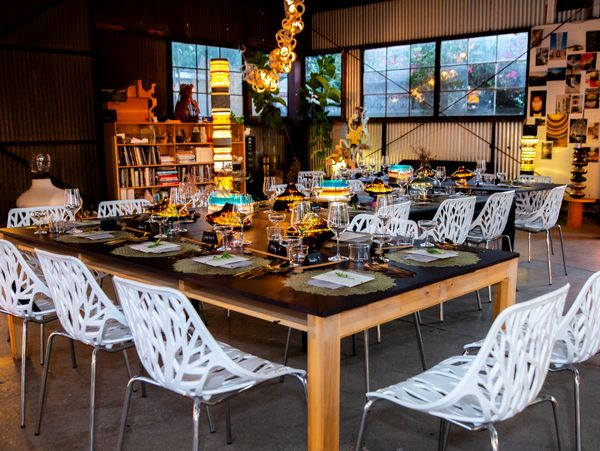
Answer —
323 383
11 336
505 292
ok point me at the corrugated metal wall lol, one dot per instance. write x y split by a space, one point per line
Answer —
47 101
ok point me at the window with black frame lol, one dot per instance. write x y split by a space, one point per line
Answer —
190 64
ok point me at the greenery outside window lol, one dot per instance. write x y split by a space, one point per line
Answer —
190 63
283 93
310 66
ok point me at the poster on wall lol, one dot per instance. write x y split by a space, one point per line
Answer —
536 37
547 150
591 98
537 79
556 74
537 106
578 131
581 62
563 104
592 41
556 129
592 132
558 46
592 79
576 104
541 56
593 155
573 83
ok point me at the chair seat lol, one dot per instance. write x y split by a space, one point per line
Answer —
43 310
526 224
425 391
476 236
221 381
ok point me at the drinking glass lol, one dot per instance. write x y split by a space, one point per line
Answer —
300 210
338 220
289 242
501 176
383 207
479 170
39 217
160 219
380 236
176 200
73 203
316 186
426 225
440 173
186 197
276 217
244 207
269 183
225 230
385 165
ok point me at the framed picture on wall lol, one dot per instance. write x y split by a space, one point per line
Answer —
537 106
573 84
592 41
547 150
593 155
576 104
578 129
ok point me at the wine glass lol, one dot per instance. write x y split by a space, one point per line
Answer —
383 208
73 203
176 199
160 219
225 230
385 165
300 210
39 217
244 207
269 183
276 217
425 226
338 220
316 185
479 170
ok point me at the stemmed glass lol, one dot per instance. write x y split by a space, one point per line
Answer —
244 207
440 173
385 165
383 209
160 219
380 236
425 226
73 203
176 199
225 230
39 218
479 170
338 220
269 183
300 210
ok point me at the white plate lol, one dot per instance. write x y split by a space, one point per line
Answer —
152 248
343 278
233 261
96 235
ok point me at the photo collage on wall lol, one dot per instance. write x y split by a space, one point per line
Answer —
564 88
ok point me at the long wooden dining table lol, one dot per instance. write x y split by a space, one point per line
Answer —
326 319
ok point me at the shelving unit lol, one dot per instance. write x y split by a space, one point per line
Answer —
156 156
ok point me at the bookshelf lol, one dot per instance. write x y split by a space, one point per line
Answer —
155 156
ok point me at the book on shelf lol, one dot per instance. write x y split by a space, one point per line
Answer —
138 156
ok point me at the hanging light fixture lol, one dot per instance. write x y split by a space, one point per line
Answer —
221 113
282 58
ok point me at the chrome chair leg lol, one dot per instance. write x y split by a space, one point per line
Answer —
367 380
93 396
529 247
551 245
287 346
442 312
73 358
420 341
23 367
196 416
378 334
562 248
41 343
493 436
363 423
45 381
211 428
443 438
228 422
552 400
125 413
478 300
548 255
576 387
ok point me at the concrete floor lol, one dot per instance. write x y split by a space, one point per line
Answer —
273 417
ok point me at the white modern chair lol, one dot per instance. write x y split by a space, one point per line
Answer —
86 314
453 218
400 210
489 225
22 217
356 185
311 173
542 179
113 208
402 227
363 222
179 353
528 202
24 295
474 392
543 220
577 339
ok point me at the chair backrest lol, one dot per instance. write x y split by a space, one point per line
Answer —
363 222
280 188
579 332
83 309
526 178
402 227
548 213
500 384
528 202
19 284
400 210
311 173
356 185
112 208
494 216
454 218
172 342
21 217
542 179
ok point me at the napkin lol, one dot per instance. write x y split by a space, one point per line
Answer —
152 248
353 236
96 235
342 278
421 255
234 261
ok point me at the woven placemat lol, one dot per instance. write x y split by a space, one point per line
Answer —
189 266
462 259
127 251
299 282
115 235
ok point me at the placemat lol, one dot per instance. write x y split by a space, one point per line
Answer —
189 266
299 282
462 259
126 251
116 235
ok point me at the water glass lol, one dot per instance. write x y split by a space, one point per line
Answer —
299 253
425 226
359 252
276 217
289 242
73 202
269 183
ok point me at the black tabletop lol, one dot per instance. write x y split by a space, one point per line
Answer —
268 289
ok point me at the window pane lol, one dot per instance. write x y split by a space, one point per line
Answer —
397 105
513 76
454 52
374 83
398 57
423 108
481 102
334 111
397 81
510 101
201 50
184 55
183 76
375 106
453 103
482 75
482 49
235 58
453 78
203 105
237 105
374 59
422 54
512 47
235 84
212 52
203 86
422 78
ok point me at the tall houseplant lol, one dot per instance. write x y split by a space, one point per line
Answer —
319 92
